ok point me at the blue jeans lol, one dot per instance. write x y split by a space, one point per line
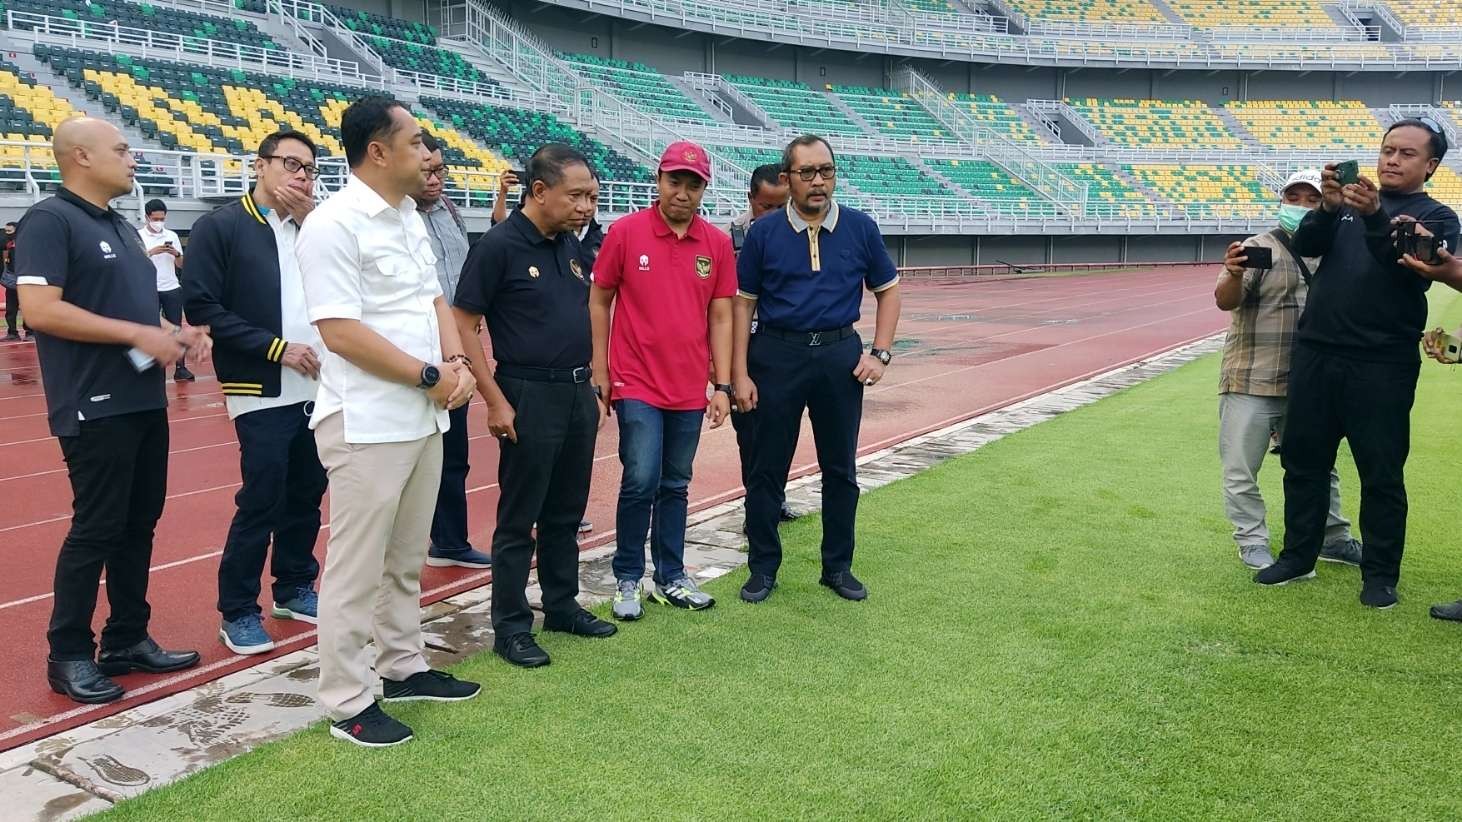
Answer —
656 448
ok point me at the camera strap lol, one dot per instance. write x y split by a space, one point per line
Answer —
1282 238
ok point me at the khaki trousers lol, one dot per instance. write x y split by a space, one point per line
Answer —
382 497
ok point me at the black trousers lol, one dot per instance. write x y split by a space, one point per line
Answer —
1369 404
278 503
744 423
118 470
12 310
449 523
544 479
789 377
172 305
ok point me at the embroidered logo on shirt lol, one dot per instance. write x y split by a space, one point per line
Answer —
703 267
576 268
644 262
533 271
106 248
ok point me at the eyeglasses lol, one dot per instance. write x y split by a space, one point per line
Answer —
807 173
294 166
440 172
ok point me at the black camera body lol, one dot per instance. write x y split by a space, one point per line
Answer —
1427 249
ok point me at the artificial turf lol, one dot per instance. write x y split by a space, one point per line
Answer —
1058 627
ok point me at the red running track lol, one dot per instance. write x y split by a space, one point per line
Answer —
964 349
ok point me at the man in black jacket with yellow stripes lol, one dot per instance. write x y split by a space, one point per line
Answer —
244 283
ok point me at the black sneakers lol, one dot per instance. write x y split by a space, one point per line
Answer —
757 588
520 649
371 728
1448 610
845 585
1281 574
429 686
1379 597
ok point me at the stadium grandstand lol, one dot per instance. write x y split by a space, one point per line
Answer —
975 130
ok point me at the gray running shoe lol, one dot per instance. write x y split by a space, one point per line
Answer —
1256 556
627 601
682 593
1346 551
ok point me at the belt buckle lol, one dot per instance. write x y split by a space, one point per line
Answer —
814 338
580 374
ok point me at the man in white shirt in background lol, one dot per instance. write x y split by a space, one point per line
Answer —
393 368
243 277
166 252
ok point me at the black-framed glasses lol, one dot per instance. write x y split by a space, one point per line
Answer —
807 173
294 166
440 172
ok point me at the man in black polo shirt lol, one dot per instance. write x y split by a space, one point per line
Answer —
526 277
1355 363
803 273
90 291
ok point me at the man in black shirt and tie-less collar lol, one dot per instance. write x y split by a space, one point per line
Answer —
527 278
90 291
1355 363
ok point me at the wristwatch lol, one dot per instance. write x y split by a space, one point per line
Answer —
726 389
430 376
882 355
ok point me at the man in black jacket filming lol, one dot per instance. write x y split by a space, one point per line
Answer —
244 281
1355 362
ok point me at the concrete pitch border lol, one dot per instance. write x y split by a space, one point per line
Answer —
89 768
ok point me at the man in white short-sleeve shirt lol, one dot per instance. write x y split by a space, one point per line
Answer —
393 367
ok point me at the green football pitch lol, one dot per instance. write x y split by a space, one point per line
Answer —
1058 627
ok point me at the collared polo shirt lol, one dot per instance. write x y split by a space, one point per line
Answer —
448 242
658 344
534 292
96 258
368 260
806 279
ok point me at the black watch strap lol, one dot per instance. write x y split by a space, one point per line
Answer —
883 355
725 389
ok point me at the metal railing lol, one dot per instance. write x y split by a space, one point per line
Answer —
148 43
321 16
959 37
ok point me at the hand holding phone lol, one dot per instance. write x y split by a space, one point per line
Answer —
1259 257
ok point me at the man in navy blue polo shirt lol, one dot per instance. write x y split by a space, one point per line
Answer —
804 275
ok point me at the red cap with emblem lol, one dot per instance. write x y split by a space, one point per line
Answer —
683 155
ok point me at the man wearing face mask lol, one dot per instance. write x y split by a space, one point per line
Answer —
1355 363
1265 306
165 250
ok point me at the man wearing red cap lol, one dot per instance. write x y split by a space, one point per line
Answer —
668 278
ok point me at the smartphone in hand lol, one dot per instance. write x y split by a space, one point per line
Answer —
1347 172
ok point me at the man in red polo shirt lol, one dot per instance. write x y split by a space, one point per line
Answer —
668 277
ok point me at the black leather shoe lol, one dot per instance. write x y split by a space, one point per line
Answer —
146 657
845 585
1449 610
520 650
82 681
581 623
757 588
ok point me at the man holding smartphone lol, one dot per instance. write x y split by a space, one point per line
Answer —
1355 364
1263 286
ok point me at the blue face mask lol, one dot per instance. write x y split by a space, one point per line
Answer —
1290 216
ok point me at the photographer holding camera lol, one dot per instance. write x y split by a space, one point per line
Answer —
1354 367
1263 285
1447 269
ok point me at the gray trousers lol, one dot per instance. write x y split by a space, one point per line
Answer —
1245 422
